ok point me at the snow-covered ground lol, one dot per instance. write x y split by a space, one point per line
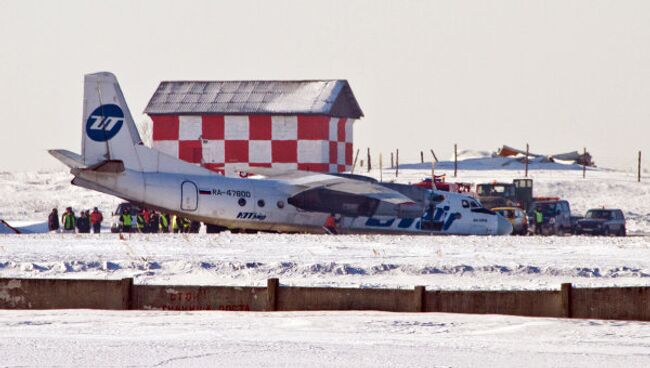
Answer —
137 338
450 262
84 338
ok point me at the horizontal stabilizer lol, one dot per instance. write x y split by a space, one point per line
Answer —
70 159
108 166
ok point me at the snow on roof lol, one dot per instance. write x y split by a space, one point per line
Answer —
310 97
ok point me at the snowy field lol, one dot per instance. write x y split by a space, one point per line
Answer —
135 338
317 339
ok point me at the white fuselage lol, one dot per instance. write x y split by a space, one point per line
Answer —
262 204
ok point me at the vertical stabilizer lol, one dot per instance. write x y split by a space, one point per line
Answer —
109 132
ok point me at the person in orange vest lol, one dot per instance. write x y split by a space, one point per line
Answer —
330 224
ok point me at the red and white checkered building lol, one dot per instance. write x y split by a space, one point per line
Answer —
305 125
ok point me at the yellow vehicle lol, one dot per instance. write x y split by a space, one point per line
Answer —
517 218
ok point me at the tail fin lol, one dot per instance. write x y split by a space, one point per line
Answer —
109 132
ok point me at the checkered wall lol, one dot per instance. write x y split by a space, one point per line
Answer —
304 142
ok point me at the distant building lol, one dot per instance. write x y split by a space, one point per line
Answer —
306 125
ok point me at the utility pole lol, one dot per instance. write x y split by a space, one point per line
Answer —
396 162
526 161
455 160
638 175
354 164
421 157
392 160
433 174
381 169
369 164
584 163
434 155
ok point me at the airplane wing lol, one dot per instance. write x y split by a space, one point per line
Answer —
321 192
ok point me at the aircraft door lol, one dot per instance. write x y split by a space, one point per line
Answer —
189 196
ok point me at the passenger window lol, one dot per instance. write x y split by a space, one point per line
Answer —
465 204
260 203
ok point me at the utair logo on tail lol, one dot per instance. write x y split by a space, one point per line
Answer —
105 122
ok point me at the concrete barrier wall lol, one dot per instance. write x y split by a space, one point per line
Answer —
199 298
310 299
64 294
539 303
627 303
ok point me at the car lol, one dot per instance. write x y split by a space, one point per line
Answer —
517 218
556 216
602 222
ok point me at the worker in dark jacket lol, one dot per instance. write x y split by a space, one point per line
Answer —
53 220
83 223
154 222
195 227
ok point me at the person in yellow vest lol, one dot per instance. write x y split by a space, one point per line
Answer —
69 221
140 221
164 222
186 225
176 224
126 221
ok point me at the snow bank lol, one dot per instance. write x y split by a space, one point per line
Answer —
342 261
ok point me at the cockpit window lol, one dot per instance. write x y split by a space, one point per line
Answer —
465 203
473 204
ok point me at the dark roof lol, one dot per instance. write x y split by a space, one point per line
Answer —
313 97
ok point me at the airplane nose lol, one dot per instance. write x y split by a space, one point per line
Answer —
504 227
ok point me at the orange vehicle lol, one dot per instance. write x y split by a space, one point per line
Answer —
517 218
441 184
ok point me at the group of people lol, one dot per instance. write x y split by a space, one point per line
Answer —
70 223
150 221
141 221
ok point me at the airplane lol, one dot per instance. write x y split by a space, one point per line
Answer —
115 161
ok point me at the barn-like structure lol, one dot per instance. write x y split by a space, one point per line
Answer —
305 125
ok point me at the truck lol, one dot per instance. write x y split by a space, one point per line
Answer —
519 193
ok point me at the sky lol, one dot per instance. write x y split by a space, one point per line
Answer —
559 75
